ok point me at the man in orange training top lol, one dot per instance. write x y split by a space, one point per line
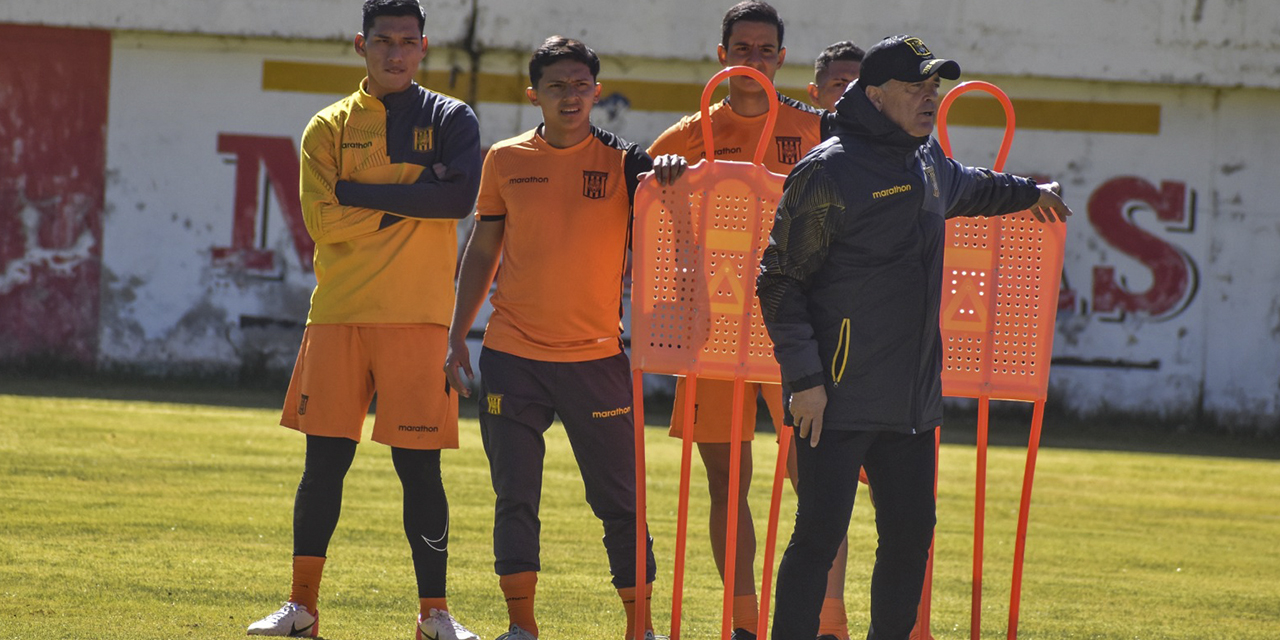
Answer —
555 205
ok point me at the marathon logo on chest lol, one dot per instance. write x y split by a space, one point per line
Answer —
594 184
788 149
423 139
891 191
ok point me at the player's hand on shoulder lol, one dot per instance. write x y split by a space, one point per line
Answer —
1050 207
668 168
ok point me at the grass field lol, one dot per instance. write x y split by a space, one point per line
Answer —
136 513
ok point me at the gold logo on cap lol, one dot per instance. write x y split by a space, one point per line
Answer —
917 45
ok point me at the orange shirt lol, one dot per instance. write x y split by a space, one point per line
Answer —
567 219
796 131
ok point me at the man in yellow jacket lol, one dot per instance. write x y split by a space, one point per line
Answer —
386 174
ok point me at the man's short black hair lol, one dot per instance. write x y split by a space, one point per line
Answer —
557 48
749 11
843 50
375 8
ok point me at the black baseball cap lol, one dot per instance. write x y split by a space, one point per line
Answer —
904 58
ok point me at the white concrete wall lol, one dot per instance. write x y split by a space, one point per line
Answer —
1215 42
1195 201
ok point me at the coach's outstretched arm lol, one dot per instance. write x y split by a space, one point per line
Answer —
975 191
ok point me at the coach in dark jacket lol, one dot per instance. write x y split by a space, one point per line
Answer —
850 286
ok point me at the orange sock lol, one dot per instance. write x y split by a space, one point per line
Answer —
745 612
833 619
306 581
425 605
518 589
628 595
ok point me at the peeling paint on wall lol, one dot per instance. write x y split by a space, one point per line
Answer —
52 151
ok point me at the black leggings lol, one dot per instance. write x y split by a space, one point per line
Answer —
318 504
900 468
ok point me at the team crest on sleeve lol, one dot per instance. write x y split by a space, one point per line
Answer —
594 184
788 149
423 138
493 403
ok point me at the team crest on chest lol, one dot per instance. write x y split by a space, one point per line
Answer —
423 139
594 184
788 149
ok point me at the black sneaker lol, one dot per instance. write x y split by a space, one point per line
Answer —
742 634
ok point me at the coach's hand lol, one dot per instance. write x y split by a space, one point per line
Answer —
668 168
807 408
1050 207
459 357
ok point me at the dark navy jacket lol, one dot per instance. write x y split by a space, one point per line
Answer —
851 282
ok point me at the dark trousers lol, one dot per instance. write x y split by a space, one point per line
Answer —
519 399
900 468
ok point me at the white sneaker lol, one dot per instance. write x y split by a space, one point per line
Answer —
439 625
516 633
291 620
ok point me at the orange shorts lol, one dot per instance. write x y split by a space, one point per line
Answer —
341 366
713 409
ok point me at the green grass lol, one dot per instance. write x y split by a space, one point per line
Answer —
124 516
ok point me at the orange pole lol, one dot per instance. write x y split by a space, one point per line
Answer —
642 532
771 537
682 510
979 519
1024 510
731 519
769 120
944 140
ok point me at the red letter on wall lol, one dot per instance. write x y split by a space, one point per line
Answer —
54 85
1173 273
280 159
